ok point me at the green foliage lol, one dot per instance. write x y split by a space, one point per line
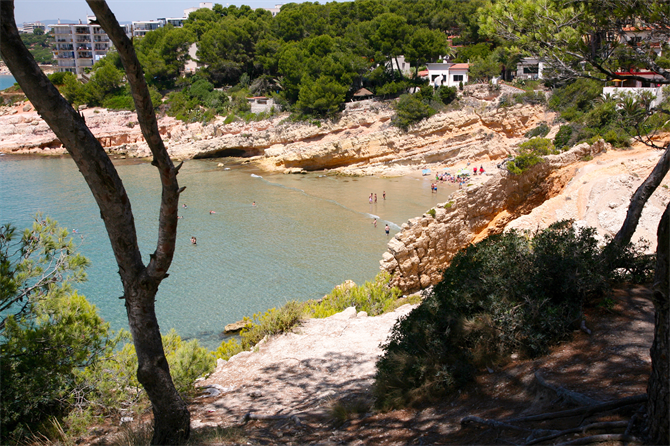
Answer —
538 146
576 98
110 385
530 153
482 69
48 331
58 78
541 130
528 97
431 212
374 298
563 137
163 54
198 101
410 110
511 293
447 95
323 97
40 46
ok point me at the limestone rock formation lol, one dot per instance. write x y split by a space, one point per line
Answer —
362 142
425 245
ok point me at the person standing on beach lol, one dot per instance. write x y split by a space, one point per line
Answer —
387 229
375 198
374 222
370 199
384 195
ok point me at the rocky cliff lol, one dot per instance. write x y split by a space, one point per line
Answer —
362 142
425 245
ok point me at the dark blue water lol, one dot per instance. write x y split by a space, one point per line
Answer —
306 234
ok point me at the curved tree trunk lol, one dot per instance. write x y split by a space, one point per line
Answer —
658 389
140 282
639 199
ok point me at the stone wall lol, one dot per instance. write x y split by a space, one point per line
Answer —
418 254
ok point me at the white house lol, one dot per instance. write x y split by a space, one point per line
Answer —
399 63
447 74
530 68
636 87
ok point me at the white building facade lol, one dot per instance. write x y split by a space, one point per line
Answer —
447 74
79 46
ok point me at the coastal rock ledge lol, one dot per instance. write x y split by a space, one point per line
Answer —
418 254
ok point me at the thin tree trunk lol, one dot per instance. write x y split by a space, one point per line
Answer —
140 283
658 388
639 199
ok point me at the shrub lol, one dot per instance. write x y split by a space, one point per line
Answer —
410 110
447 95
579 96
512 292
562 138
541 130
374 298
431 212
530 154
538 146
48 331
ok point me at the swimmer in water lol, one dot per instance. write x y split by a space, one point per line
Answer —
194 241
212 212
387 229
253 204
184 206
374 222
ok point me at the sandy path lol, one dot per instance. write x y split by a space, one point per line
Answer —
298 373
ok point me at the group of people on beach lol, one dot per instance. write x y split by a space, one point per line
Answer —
374 196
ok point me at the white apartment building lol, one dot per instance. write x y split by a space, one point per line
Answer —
141 27
79 46
29 27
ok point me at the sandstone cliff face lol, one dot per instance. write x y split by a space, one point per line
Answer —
362 142
425 245
599 194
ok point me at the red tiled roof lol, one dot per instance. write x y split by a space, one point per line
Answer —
459 66
423 73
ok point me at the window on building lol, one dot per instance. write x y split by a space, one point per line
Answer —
458 78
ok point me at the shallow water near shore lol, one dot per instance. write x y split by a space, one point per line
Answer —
6 81
306 233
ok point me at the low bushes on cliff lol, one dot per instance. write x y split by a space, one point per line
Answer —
511 293
530 153
375 298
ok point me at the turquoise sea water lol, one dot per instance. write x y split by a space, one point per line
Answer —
306 234
6 81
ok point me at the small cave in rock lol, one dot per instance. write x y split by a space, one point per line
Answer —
224 153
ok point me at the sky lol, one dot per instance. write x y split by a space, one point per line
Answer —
125 10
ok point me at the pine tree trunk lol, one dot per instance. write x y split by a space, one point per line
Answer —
640 198
171 416
658 388
140 282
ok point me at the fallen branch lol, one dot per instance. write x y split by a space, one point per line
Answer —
567 395
258 416
491 423
603 425
585 411
600 438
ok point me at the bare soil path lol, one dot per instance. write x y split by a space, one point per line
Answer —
329 363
